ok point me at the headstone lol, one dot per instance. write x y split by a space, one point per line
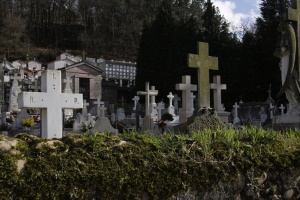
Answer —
153 110
271 111
113 118
14 92
120 114
137 116
187 106
236 119
160 107
171 109
21 115
136 100
51 101
217 87
98 103
263 115
84 109
203 62
147 93
67 82
282 109
103 124
176 100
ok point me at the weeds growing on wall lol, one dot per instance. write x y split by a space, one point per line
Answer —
104 166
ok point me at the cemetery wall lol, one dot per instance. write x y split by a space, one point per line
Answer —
253 164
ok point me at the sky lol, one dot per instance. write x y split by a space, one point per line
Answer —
238 12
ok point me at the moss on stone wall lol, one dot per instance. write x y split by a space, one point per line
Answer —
248 163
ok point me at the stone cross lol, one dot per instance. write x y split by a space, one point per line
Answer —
16 77
51 101
241 102
282 109
203 62
14 91
103 109
217 87
137 115
67 88
294 15
236 119
176 100
36 85
160 106
84 109
171 107
98 103
271 111
153 104
135 99
147 93
171 97
187 105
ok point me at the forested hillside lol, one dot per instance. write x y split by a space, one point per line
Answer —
158 34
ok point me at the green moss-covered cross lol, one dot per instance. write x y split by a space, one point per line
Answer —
203 62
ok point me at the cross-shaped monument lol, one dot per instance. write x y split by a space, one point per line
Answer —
176 100
84 109
203 62
294 15
67 82
171 107
98 103
186 88
282 109
236 118
147 93
217 87
271 111
14 91
135 99
51 101
103 109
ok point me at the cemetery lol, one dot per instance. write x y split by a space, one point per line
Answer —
88 128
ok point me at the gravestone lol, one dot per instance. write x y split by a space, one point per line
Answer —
147 125
67 89
186 87
14 92
271 111
282 108
136 100
171 109
137 116
216 86
98 103
176 100
120 114
160 108
51 101
153 110
236 119
193 97
103 124
203 63
18 120
83 118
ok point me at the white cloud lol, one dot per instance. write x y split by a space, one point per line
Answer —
236 19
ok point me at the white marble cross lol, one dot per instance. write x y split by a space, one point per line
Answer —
103 109
147 93
236 119
176 100
186 88
16 77
217 87
98 103
51 101
67 88
153 103
171 107
282 109
136 100
271 111
84 109
160 106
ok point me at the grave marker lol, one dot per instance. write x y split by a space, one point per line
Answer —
236 119
171 107
217 87
98 103
282 109
203 62
186 87
51 101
